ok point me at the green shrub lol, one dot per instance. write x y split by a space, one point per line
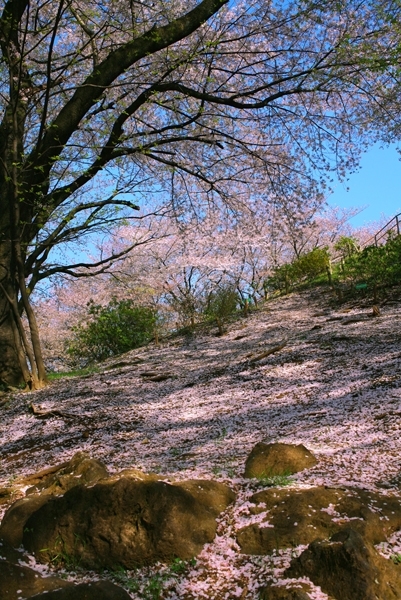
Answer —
110 330
306 267
221 304
310 265
283 278
376 266
346 246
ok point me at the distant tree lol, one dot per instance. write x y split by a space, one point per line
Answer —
222 303
180 267
102 104
318 227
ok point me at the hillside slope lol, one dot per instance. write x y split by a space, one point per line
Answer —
194 408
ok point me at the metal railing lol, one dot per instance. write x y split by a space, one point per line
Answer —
381 235
393 224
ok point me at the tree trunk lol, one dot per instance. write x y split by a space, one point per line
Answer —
329 272
12 372
21 362
220 326
16 352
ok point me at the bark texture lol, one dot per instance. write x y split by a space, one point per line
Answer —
27 200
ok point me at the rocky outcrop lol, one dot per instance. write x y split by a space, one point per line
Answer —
134 518
214 496
80 470
53 481
100 590
348 568
268 460
127 522
295 517
19 581
280 592
15 518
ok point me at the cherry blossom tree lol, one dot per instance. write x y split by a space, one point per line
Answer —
183 266
105 104
313 229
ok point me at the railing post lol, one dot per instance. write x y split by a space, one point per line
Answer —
385 230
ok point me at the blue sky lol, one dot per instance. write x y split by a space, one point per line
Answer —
376 185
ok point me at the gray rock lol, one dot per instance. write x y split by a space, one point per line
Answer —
80 470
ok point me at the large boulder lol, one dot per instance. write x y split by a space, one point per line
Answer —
15 518
53 481
80 470
348 568
213 495
100 590
19 581
295 517
280 592
124 522
138 475
268 460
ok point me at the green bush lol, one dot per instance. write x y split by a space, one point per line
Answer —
310 265
306 267
110 330
283 278
376 265
346 246
221 304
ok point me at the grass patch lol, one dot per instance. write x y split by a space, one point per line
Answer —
269 480
60 558
121 576
54 376
156 585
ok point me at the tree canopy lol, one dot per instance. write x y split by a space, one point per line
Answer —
103 105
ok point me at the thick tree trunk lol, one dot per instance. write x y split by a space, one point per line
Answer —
16 352
21 362
12 372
